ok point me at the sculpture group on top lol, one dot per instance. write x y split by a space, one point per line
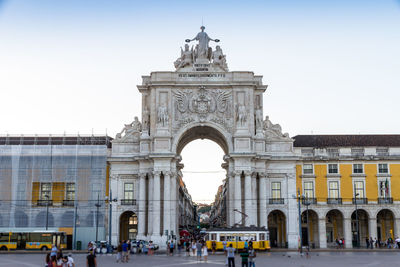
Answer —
201 53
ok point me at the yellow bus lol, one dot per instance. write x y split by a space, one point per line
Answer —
237 237
42 240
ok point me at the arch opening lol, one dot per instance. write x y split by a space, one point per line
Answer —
360 219
128 225
277 228
334 227
385 225
309 228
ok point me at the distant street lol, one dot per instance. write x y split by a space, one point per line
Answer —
281 259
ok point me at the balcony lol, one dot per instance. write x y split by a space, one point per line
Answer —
334 200
276 201
308 201
130 202
385 200
68 203
44 202
360 201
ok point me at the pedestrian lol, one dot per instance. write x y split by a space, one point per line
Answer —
129 250
213 246
198 248
151 248
224 243
47 260
53 261
91 260
71 262
230 253
119 252
246 245
53 250
371 243
124 251
245 257
64 261
367 241
179 247
251 243
187 248
193 249
205 253
171 248
252 256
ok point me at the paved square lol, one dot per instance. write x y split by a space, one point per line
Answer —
281 259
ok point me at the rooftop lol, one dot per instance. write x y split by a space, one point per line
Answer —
377 140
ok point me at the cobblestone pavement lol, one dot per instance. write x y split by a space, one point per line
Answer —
280 259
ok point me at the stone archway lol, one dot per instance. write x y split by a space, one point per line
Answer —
202 100
128 226
334 227
385 225
310 233
363 227
277 228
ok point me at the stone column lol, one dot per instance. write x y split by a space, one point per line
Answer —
248 199
237 197
396 227
174 204
263 200
254 198
322 232
347 233
150 209
372 230
167 203
142 205
156 205
231 203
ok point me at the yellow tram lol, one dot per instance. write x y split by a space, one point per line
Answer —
237 237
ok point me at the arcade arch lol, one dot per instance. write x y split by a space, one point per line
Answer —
361 217
334 227
277 228
385 225
309 225
128 225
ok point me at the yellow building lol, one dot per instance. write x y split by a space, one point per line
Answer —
350 185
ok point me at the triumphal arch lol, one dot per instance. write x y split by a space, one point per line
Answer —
201 98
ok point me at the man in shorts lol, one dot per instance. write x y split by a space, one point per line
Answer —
198 248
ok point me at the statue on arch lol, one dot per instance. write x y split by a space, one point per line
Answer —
219 59
162 115
203 48
186 58
241 115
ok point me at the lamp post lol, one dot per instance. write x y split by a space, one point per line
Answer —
357 225
98 205
307 203
300 233
47 211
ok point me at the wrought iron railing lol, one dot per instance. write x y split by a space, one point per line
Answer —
385 200
308 201
44 202
128 201
331 200
360 200
68 203
276 201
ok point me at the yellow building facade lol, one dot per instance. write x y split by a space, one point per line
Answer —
349 186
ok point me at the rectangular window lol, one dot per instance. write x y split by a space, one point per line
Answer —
359 189
333 152
70 191
333 189
382 151
307 152
384 189
333 168
276 190
128 191
309 189
383 168
308 169
45 190
358 168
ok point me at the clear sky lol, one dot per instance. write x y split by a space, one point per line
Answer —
73 66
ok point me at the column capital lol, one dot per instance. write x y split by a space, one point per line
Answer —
247 173
262 175
142 175
166 173
156 173
236 173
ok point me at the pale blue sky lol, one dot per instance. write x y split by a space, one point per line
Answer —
73 66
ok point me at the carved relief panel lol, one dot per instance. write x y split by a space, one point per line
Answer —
202 105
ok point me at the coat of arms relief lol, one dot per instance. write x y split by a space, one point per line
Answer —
191 105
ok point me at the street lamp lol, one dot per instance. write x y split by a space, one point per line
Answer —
357 225
98 205
300 233
307 203
47 211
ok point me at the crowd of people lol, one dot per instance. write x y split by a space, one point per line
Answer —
55 258
377 243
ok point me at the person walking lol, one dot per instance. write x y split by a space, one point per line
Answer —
213 246
367 241
193 249
371 243
252 256
71 262
187 248
171 248
91 259
245 257
119 252
198 248
230 253
124 251
205 253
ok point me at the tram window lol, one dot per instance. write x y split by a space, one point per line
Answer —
46 238
34 237
4 237
262 236
14 237
213 236
222 237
